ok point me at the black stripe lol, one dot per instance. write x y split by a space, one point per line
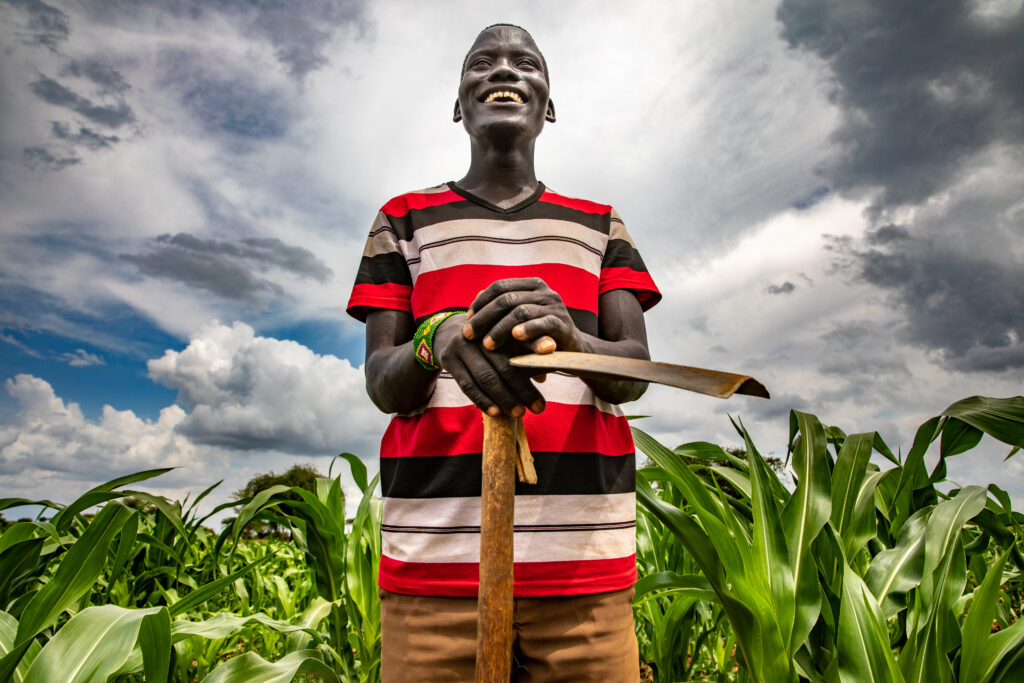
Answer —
622 254
459 475
406 225
518 528
384 269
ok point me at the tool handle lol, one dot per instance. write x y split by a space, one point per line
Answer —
497 500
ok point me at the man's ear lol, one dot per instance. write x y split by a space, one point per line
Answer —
458 112
549 115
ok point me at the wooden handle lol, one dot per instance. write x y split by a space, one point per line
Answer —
494 605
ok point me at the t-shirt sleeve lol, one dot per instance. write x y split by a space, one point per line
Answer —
622 267
383 280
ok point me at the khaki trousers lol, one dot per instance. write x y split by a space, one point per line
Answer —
576 638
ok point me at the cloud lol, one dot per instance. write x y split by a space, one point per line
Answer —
39 156
58 94
85 136
48 25
50 439
300 31
247 392
81 358
932 133
786 287
223 267
107 77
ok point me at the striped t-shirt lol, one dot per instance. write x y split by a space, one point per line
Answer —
435 250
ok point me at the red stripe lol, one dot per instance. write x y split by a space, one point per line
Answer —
530 579
453 431
573 203
386 295
627 278
458 285
399 206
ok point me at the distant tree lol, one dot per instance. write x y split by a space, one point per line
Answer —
301 476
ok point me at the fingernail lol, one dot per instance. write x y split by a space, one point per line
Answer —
519 332
494 411
488 343
546 345
518 411
469 314
538 406
467 331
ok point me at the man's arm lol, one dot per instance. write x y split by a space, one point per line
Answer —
395 382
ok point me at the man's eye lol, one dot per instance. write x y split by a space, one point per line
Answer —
478 63
527 64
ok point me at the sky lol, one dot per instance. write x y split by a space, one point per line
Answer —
827 193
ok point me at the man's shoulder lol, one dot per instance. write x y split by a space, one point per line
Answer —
419 199
577 203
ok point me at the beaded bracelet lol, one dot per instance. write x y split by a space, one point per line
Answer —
423 340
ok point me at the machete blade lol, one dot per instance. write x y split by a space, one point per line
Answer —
700 380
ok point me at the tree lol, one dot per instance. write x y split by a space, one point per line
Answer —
303 476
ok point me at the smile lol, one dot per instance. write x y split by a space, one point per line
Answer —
504 96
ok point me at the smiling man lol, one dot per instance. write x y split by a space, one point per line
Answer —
455 280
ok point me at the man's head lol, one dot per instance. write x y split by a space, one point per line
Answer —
504 85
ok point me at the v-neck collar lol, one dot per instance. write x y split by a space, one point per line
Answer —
462 192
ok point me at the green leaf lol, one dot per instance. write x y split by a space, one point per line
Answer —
691 585
205 592
251 668
1001 418
93 645
358 469
803 518
863 638
77 572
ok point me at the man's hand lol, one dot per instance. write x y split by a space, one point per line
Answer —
520 309
485 376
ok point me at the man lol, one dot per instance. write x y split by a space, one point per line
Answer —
454 281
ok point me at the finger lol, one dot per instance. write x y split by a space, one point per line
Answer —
494 376
499 287
561 330
518 382
541 345
500 330
464 378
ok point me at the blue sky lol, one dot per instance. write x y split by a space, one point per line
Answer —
828 194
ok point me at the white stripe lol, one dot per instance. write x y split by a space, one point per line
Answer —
503 254
556 389
560 546
441 512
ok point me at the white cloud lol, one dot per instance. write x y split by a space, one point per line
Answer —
49 448
249 392
80 358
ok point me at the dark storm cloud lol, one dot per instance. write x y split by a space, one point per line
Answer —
227 268
57 94
39 156
48 25
107 77
922 85
84 136
299 30
930 95
786 287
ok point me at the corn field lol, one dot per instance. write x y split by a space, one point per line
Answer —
859 573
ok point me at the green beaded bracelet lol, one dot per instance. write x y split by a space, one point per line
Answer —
423 340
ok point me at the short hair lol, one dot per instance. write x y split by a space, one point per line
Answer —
543 62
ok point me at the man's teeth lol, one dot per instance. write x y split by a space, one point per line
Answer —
504 94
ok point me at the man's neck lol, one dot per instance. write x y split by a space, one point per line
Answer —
504 177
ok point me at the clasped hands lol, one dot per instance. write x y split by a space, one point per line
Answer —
475 347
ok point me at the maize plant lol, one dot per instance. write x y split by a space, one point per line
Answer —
857 574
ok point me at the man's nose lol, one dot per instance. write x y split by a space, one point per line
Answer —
503 71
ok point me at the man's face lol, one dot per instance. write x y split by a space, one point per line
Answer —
504 90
